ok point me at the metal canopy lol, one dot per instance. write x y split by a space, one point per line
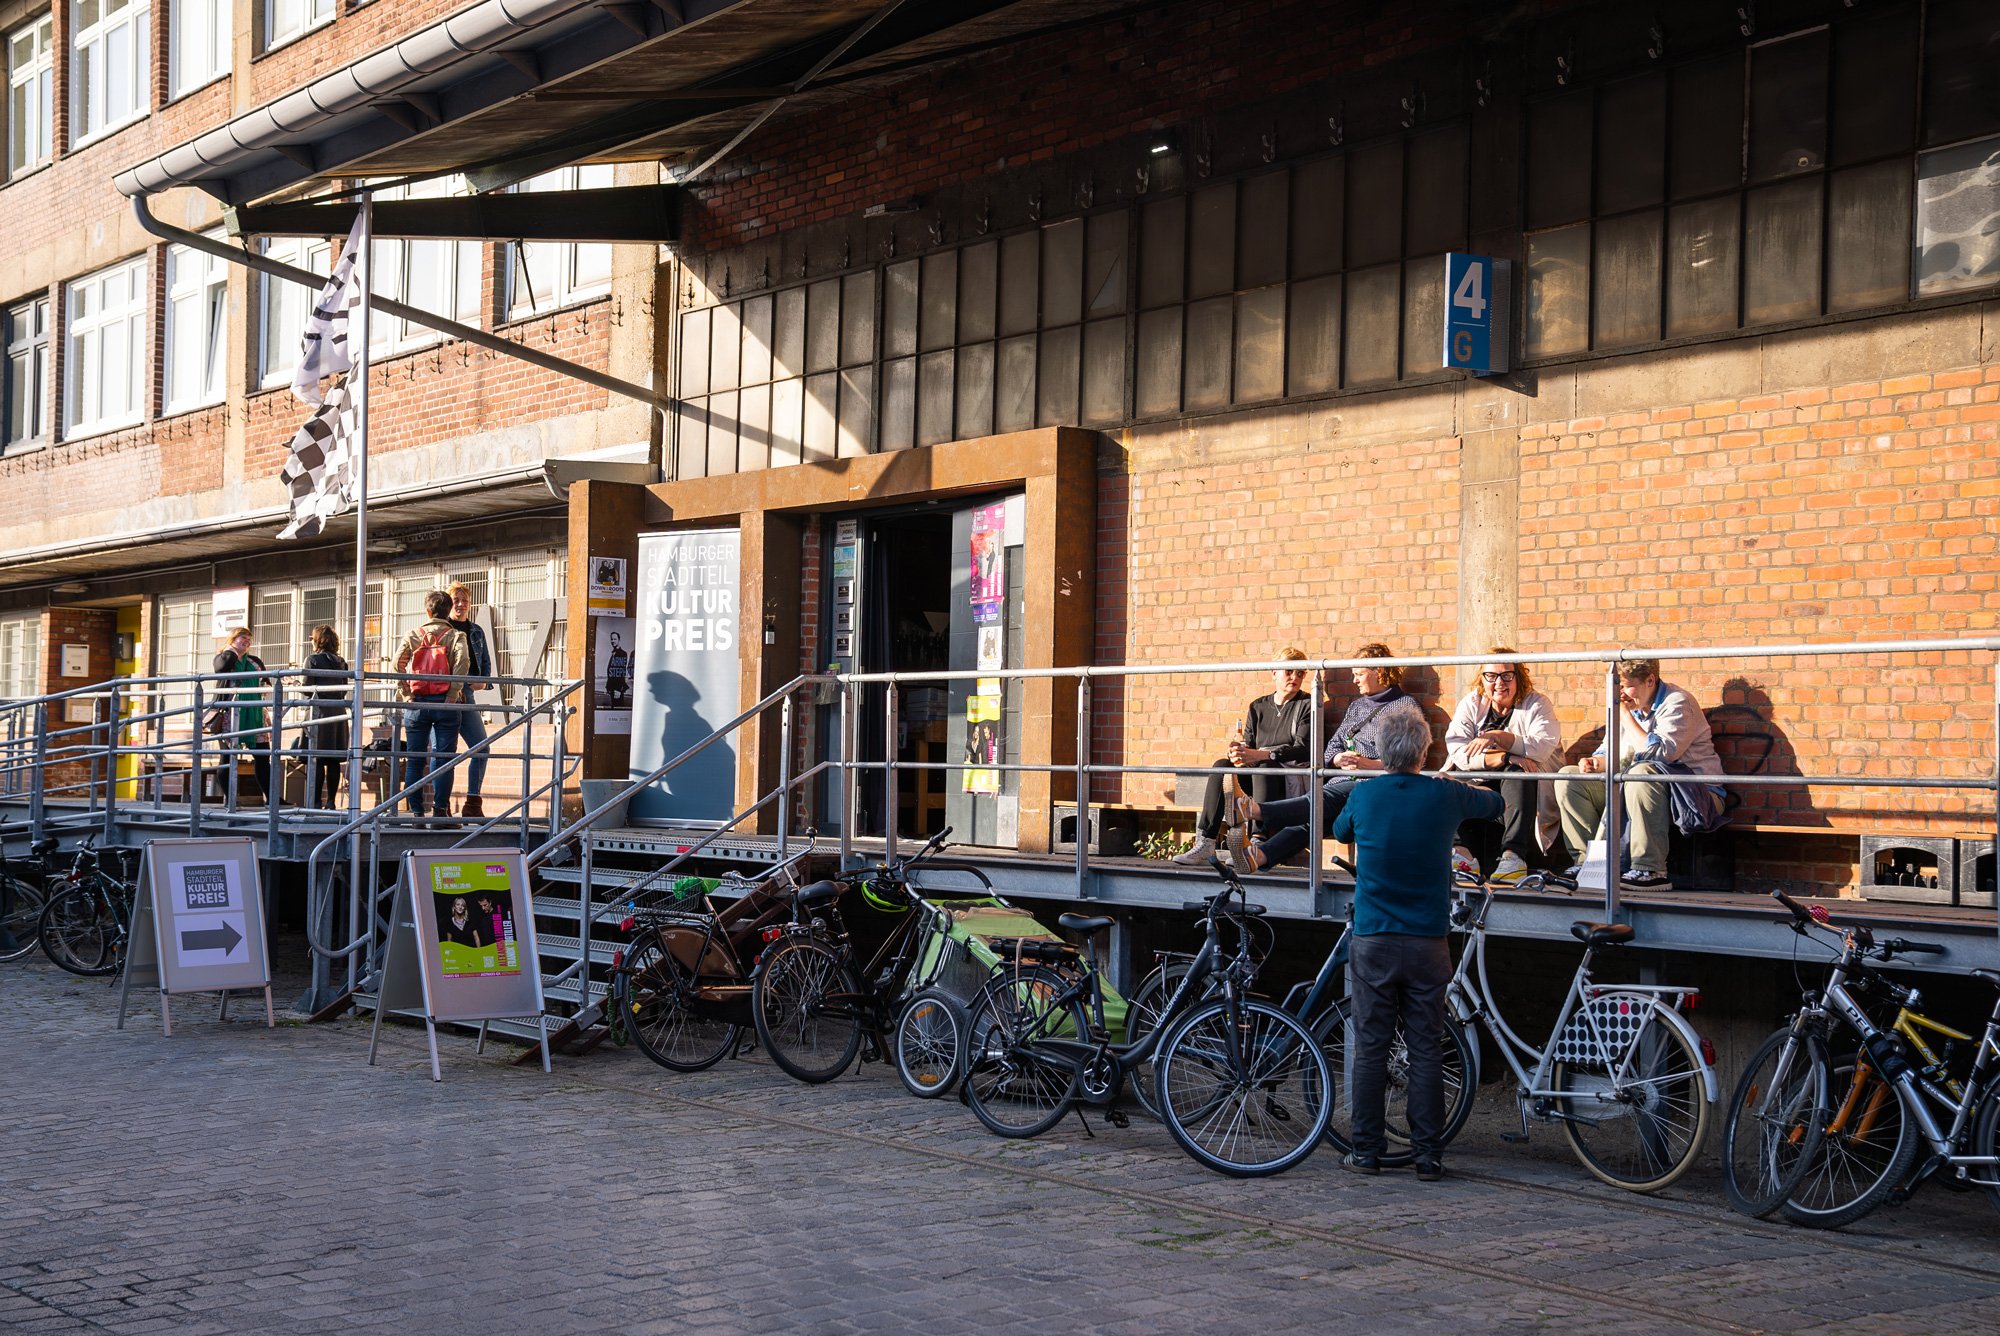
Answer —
507 89
622 213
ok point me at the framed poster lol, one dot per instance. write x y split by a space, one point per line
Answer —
475 936
611 676
687 673
198 923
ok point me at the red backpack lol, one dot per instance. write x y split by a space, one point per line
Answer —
430 657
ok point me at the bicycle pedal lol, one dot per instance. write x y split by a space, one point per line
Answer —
1514 1138
1117 1118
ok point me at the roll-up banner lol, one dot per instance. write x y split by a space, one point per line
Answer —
686 675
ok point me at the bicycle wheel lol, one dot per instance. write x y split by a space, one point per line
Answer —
804 1004
1012 1086
658 1000
20 918
1243 1088
1461 1083
1647 1113
79 931
1143 1011
1867 1152
1777 1119
930 1043
1985 1139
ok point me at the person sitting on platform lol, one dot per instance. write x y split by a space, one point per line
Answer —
1276 732
1353 747
1504 724
1663 732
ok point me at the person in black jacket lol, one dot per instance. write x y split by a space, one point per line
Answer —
1276 732
471 723
248 713
332 689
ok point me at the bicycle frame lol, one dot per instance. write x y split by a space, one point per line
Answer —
1469 996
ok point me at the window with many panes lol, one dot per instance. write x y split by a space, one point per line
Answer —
31 94
20 656
198 43
110 65
185 648
282 320
546 275
439 276
286 19
106 352
25 413
197 327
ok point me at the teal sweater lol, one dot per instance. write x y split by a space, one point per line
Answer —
1402 827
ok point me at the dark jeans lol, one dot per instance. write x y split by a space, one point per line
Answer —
1289 818
260 765
1394 978
1516 826
472 728
1265 783
430 731
325 777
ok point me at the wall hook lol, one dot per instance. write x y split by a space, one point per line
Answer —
1413 107
983 220
1482 86
1035 206
1746 19
1336 125
1086 191
1268 142
1656 39
1566 63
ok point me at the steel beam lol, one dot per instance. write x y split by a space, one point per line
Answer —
649 213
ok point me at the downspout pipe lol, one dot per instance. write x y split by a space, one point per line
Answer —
263 264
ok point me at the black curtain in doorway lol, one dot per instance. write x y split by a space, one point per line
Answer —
874 653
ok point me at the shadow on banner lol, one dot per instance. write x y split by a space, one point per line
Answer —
687 674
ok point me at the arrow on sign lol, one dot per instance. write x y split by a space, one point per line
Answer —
223 939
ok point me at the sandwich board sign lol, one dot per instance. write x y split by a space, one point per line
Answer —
198 924
462 944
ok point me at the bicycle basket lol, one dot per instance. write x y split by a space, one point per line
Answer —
1601 1030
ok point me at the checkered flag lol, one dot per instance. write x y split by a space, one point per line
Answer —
323 351
320 468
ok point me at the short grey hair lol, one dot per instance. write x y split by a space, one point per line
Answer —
1403 741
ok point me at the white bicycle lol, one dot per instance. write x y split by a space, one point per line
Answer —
1623 1072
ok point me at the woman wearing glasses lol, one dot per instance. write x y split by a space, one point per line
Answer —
1503 725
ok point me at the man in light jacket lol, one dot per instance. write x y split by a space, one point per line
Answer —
430 726
1662 727
1504 725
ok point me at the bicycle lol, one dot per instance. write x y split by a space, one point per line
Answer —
1623 1072
1855 1122
810 1006
23 892
87 923
1241 1086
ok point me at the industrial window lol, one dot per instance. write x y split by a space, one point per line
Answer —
185 648
26 388
197 327
439 276
110 65
198 36
544 276
31 94
286 19
282 323
20 656
273 623
106 360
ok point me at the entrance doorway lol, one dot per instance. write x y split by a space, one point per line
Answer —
902 623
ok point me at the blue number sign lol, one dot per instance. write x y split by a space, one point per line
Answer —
1478 319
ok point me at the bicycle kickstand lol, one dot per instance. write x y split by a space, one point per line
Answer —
1521 1107
1085 1121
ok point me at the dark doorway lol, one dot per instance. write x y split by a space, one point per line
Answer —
905 627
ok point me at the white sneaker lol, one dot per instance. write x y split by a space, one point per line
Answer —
1197 852
1464 866
1510 869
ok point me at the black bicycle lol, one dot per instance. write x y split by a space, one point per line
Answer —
87 923
813 999
23 891
1243 1087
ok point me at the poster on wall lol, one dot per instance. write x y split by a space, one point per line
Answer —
992 646
612 673
228 609
607 586
686 673
985 741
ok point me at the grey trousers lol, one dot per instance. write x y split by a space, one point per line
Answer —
1394 977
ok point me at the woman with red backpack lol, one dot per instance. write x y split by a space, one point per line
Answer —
430 731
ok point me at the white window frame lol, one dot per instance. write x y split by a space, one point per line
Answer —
197 43
283 651
116 45
287 20
31 96
545 276
33 348
20 656
197 339
440 276
105 311
185 648
281 325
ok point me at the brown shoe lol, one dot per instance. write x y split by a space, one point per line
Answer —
472 808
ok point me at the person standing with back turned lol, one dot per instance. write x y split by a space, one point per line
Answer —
430 731
1402 825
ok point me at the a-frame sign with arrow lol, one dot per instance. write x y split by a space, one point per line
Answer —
198 926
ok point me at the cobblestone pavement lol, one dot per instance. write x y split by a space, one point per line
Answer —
233 1178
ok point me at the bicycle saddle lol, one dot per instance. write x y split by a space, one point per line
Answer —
821 892
1601 934
1991 976
43 847
1078 923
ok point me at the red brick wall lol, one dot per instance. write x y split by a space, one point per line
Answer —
96 628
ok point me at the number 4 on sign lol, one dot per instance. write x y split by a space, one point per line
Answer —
1478 324
1471 293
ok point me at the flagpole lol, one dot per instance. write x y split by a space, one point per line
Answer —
358 384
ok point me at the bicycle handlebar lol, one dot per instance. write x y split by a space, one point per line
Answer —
1896 946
